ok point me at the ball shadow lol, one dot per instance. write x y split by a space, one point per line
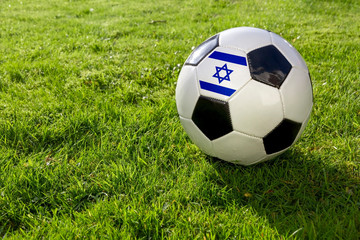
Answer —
296 192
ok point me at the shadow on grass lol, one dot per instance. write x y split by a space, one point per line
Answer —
298 193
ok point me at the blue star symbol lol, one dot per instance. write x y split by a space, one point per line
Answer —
222 77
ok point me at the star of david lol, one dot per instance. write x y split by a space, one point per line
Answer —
220 75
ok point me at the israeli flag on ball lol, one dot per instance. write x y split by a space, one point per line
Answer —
222 73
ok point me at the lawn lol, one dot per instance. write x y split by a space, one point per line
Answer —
91 145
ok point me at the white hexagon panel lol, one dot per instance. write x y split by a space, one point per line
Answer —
227 148
303 125
256 109
297 86
186 91
292 55
197 136
222 73
245 38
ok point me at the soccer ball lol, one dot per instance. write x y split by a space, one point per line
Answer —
244 95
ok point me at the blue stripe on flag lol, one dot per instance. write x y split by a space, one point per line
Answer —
228 58
216 88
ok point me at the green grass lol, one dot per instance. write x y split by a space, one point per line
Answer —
91 145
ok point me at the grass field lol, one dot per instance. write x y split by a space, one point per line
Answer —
90 141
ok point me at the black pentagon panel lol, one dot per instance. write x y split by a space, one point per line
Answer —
268 65
212 117
282 136
201 51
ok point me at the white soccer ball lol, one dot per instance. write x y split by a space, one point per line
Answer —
244 95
